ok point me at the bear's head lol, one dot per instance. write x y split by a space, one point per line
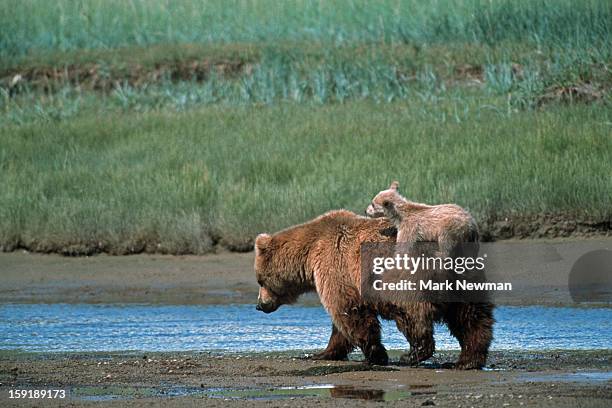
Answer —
383 204
277 270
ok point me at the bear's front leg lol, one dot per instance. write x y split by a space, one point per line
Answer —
362 328
338 347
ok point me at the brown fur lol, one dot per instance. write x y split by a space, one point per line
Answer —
456 233
323 255
447 224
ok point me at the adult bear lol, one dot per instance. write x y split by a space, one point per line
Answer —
323 255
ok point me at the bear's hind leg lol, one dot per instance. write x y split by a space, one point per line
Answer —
417 326
472 325
338 347
362 328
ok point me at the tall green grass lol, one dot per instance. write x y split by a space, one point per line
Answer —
320 76
179 182
295 51
34 25
330 101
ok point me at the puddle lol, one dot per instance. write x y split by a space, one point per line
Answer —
578 377
240 328
109 393
317 391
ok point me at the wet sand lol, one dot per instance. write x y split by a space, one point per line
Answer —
539 270
213 279
545 379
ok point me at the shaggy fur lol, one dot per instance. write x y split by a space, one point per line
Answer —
448 224
456 233
323 255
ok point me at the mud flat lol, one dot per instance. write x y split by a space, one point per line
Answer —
530 379
539 270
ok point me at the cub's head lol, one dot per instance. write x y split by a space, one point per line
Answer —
383 204
275 272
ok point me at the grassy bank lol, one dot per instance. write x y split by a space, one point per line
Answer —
510 76
152 55
158 126
177 182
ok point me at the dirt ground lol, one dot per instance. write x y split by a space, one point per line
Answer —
538 269
547 379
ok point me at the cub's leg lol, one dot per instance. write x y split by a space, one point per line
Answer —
338 347
472 325
361 327
417 324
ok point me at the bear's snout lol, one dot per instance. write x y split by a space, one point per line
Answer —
265 301
266 307
371 211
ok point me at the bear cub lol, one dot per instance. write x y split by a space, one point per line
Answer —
449 225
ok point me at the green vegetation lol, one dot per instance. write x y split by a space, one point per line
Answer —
156 55
169 126
33 25
153 79
121 183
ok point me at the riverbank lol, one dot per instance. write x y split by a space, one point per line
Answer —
538 269
530 379
561 378
211 179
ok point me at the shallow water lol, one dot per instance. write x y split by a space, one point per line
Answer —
315 390
579 377
109 393
240 328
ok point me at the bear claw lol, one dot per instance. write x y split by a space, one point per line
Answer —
378 356
469 365
414 357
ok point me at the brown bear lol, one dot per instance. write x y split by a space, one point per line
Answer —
454 233
323 255
447 224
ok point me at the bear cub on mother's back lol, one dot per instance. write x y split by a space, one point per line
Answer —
324 255
454 232
448 225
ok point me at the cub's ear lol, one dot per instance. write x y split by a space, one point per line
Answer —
261 242
394 186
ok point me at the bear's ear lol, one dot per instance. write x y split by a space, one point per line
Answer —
261 242
394 186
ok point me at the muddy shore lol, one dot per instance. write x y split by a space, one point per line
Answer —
539 270
493 229
544 379
512 378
